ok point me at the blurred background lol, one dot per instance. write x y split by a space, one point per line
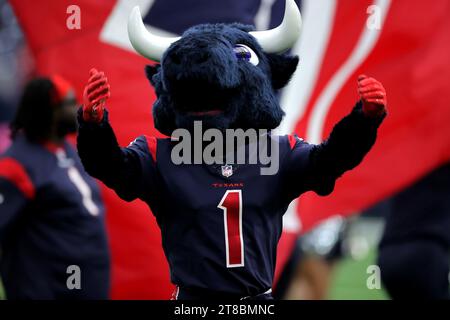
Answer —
380 212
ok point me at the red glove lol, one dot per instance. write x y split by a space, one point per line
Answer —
96 92
373 96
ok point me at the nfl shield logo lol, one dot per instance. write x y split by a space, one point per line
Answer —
227 170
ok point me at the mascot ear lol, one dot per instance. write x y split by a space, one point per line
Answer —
282 68
150 71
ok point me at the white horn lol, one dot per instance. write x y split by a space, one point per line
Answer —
144 42
283 37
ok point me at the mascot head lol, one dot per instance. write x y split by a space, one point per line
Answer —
225 75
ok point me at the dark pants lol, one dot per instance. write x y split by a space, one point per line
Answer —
414 251
415 270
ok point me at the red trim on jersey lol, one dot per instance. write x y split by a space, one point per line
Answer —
12 170
152 144
52 146
292 140
175 293
62 86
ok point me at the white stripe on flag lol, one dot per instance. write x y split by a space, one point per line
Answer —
366 43
318 18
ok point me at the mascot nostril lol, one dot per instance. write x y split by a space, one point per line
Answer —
221 220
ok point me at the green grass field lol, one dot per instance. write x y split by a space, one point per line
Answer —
349 282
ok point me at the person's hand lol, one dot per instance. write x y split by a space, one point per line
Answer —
95 94
373 96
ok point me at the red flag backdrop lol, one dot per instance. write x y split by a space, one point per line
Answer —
411 59
408 54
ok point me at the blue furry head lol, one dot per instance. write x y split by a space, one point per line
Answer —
212 74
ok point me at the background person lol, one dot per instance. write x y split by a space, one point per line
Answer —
51 213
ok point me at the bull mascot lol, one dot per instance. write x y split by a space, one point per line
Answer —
220 224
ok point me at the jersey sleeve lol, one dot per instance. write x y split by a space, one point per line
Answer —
316 167
143 152
16 189
298 169
128 171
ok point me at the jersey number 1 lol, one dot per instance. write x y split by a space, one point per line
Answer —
84 189
231 204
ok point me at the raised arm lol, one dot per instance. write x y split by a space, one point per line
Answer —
121 169
316 167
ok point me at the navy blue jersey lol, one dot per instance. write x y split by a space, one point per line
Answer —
51 217
220 225
218 232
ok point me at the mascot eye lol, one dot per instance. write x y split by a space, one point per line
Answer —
245 53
